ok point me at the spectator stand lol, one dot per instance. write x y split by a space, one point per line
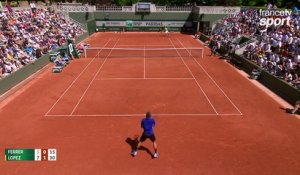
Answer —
274 51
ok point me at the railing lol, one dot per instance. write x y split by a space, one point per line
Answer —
74 7
127 9
218 10
131 8
78 7
115 8
157 8
179 8
109 8
160 8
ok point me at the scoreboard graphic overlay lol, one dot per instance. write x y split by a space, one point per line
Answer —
28 154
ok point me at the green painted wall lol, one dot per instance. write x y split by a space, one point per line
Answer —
203 38
81 37
81 17
13 79
280 87
159 16
91 24
209 17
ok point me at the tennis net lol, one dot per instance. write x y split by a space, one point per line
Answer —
191 52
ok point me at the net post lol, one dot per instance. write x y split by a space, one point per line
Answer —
85 55
202 53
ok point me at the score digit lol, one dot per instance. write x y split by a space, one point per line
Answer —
44 154
37 154
52 154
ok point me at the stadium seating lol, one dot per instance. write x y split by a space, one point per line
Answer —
26 36
275 49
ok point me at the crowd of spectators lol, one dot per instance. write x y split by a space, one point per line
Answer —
26 35
277 48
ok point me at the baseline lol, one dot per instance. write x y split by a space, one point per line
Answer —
139 115
101 79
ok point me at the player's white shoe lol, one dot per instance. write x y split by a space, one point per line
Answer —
155 155
134 152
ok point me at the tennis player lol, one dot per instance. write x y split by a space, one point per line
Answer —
147 124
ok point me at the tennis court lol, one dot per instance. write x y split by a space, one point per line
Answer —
210 119
128 81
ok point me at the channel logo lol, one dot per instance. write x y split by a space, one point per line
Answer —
274 17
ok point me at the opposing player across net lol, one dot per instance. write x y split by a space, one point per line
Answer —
98 52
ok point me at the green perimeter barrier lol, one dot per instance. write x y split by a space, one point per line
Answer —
246 65
243 40
146 29
81 37
91 24
203 37
81 17
280 87
155 16
90 19
13 79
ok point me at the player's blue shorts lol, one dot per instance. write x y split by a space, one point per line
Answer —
144 137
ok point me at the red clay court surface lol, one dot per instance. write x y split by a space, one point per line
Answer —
210 119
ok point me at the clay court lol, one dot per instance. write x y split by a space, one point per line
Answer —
210 118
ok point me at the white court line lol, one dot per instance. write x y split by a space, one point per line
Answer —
195 80
150 45
123 58
144 62
92 80
74 81
138 115
214 81
140 78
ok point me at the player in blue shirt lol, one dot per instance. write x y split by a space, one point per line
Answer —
147 124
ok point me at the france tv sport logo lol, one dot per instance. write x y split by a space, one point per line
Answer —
274 17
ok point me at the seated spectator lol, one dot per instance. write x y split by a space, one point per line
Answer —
81 46
65 57
25 37
278 47
59 62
